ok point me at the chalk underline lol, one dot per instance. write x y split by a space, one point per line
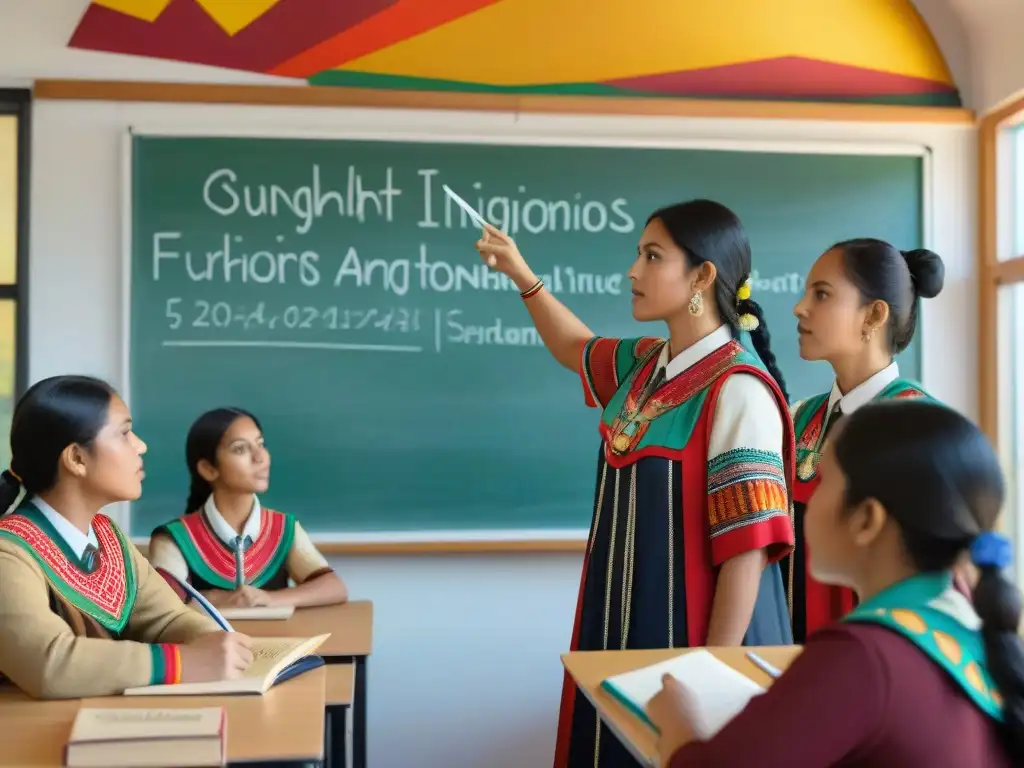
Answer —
325 345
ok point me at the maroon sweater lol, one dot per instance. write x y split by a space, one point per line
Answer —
859 696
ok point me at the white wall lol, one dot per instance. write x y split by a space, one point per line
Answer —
480 636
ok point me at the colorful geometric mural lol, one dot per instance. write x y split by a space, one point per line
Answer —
877 51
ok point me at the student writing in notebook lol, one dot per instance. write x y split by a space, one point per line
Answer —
859 310
691 509
915 676
227 545
82 613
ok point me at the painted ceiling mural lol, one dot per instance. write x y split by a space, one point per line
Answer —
875 51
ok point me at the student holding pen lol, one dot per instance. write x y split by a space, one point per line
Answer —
227 545
692 499
860 309
916 675
82 612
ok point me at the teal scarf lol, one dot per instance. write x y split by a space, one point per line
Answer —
929 612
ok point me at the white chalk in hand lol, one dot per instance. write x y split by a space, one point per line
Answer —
492 261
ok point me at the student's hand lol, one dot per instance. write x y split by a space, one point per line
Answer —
500 252
215 656
672 711
248 597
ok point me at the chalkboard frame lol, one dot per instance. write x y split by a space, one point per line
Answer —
485 541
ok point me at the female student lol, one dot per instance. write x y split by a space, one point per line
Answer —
82 613
858 311
914 676
229 547
692 501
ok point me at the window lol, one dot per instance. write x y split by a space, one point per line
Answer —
14 153
1001 304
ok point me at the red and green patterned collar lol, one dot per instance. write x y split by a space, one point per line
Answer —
213 561
108 593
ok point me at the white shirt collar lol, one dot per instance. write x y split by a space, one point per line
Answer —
74 538
694 353
865 392
224 531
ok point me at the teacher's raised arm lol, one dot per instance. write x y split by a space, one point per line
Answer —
562 332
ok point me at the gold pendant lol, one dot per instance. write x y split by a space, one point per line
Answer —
620 443
806 468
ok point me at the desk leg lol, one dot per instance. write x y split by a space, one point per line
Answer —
358 707
336 736
359 715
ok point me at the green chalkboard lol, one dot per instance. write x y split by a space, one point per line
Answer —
327 286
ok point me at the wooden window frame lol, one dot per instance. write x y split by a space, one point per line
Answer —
992 273
18 102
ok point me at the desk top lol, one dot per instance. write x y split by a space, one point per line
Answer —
589 668
284 724
340 684
350 625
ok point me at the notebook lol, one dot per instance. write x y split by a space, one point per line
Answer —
719 690
275 659
147 738
259 613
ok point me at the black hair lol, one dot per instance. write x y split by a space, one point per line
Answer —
881 272
203 439
708 231
939 479
53 414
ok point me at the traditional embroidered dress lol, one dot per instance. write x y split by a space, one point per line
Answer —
202 549
694 468
65 597
901 682
814 604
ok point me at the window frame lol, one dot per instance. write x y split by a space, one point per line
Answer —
18 102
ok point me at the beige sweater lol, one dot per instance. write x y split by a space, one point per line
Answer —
43 655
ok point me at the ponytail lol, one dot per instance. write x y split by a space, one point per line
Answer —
761 339
198 492
10 489
998 603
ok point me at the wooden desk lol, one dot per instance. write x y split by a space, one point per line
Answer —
284 726
351 641
338 714
33 732
589 668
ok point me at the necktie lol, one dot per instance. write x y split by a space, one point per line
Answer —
238 546
90 558
833 417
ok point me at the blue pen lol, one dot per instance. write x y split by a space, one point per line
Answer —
205 604
772 671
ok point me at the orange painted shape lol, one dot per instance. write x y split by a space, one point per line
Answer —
403 20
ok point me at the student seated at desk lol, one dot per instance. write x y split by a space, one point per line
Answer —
915 676
82 613
225 527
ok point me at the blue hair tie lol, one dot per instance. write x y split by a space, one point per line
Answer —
991 550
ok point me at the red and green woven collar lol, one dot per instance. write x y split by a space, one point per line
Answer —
212 561
108 593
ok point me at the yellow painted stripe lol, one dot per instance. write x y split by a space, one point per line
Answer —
522 42
235 15
147 10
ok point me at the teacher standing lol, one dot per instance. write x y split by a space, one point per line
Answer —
696 463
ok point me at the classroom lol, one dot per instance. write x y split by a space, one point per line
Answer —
178 198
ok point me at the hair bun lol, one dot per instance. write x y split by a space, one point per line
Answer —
927 271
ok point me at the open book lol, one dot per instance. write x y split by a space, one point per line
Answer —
275 659
720 692
143 738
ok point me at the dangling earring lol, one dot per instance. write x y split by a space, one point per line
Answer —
696 303
866 335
